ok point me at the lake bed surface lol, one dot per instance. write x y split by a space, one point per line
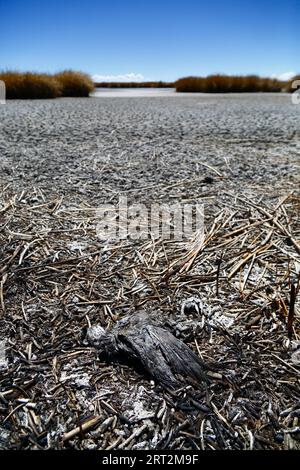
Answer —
132 92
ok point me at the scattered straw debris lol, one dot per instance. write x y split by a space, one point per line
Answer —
52 391
232 297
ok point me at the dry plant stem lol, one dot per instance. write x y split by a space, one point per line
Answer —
81 429
291 314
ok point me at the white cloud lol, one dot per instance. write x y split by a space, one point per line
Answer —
126 77
284 76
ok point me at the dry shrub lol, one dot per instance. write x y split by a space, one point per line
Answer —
228 84
74 83
29 85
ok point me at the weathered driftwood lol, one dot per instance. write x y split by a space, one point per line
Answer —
138 341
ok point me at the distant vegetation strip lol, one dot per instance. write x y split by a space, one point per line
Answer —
69 83
31 85
212 84
232 84
159 84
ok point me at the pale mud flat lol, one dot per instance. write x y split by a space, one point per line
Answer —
133 92
60 159
86 149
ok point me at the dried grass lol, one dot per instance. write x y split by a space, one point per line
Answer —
31 85
50 294
74 84
228 84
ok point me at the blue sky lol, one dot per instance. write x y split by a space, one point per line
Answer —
151 40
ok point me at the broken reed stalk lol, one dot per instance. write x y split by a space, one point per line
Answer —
2 282
82 428
219 262
291 314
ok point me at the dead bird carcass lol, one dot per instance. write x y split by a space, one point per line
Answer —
137 340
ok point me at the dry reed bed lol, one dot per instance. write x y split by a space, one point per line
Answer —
231 84
31 85
57 279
